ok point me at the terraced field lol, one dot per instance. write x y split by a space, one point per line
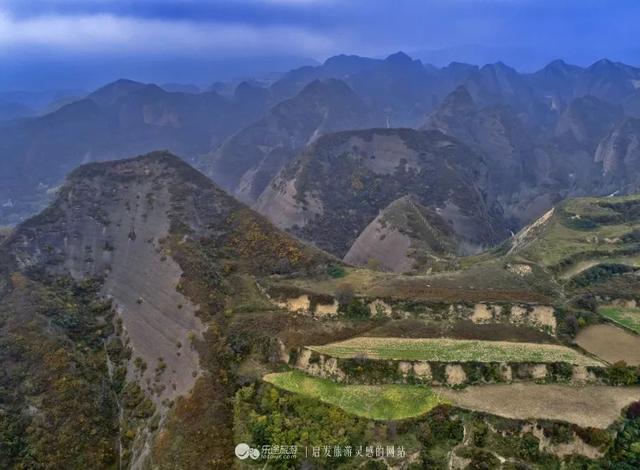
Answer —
482 282
625 316
452 350
588 405
379 402
610 343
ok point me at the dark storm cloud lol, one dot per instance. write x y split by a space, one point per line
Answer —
524 33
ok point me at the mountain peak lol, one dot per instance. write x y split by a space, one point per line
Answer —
113 91
459 100
249 91
560 67
557 63
603 64
399 58
344 59
328 85
499 67
404 231
160 157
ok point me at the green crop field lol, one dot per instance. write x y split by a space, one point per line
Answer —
628 317
452 350
379 402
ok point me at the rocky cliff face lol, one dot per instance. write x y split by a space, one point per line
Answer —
619 156
588 119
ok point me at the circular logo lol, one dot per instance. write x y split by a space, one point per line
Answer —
242 451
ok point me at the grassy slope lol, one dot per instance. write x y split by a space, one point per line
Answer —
629 317
489 282
379 402
584 226
449 350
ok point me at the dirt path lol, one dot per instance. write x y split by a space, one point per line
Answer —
590 405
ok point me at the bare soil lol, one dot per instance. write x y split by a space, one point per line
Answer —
589 405
610 343
465 329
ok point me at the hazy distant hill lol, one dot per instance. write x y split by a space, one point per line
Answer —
13 110
248 160
527 125
120 119
532 166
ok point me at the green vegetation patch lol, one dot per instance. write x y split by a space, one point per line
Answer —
600 273
379 402
583 229
625 316
452 350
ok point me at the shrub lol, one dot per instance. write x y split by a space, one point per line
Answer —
634 410
336 271
314 358
293 356
480 458
631 237
600 273
355 309
344 294
558 433
571 325
480 430
580 223
561 371
529 446
625 451
621 374
362 370
595 437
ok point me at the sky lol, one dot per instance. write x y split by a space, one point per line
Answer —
84 43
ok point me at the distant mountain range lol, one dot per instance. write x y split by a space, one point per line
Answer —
523 142
121 119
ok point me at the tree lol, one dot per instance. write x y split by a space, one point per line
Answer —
344 294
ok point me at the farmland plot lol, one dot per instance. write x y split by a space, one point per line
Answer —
453 350
588 405
625 316
380 402
610 343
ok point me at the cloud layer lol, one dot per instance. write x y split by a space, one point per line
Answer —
524 33
107 33
315 28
